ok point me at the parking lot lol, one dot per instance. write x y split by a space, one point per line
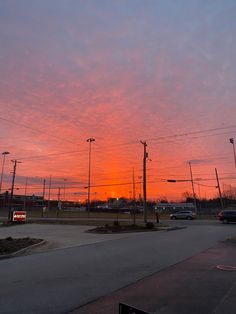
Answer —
57 236
80 267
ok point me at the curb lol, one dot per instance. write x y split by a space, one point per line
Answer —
136 231
23 250
176 228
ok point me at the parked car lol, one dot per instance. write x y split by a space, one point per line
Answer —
184 214
227 216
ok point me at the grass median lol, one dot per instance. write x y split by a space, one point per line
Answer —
11 245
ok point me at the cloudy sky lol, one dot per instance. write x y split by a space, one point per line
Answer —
119 71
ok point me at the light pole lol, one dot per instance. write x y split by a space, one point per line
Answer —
145 156
3 163
134 200
231 140
89 140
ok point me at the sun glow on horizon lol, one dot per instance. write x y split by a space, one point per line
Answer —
119 72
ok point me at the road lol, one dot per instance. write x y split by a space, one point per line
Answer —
62 280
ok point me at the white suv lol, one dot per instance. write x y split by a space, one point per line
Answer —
184 214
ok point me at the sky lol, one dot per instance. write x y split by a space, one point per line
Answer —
121 72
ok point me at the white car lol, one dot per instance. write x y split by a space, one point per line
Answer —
184 214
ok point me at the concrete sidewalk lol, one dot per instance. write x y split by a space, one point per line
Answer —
193 286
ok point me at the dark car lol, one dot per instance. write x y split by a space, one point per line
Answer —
227 216
184 214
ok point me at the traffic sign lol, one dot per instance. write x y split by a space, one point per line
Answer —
19 216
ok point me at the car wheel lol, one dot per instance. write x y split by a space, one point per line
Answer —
189 218
225 221
173 217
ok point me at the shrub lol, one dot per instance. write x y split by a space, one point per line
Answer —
150 225
116 224
9 239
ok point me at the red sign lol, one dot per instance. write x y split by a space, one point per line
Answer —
19 216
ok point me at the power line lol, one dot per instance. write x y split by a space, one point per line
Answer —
35 130
118 144
210 186
52 155
191 133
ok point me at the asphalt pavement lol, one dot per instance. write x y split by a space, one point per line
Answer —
68 278
57 236
203 284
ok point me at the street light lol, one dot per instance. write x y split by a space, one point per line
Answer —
3 163
231 140
145 156
89 140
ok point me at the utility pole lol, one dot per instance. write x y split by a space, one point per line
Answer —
199 193
59 194
134 192
59 201
145 156
44 184
89 140
231 140
64 190
218 187
3 163
26 184
12 187
194 195
140 193
49 192
134 199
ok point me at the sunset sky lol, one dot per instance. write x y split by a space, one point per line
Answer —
161 71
